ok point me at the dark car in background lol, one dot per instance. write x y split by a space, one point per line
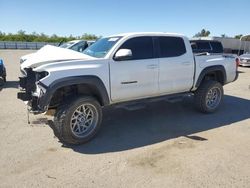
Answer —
2 73
209 46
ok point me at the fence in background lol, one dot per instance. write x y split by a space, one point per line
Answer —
23 45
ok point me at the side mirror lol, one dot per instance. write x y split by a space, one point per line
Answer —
123 54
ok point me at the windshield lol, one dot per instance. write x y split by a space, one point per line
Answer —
101 47
66 45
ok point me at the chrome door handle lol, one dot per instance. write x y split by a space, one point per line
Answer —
186 63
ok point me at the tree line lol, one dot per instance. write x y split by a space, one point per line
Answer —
41 37
206 33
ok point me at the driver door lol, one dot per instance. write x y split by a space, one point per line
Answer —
137 77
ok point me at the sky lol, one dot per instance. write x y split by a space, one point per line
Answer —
107 17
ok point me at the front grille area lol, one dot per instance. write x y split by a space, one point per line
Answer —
28 84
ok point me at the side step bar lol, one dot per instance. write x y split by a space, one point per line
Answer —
141 103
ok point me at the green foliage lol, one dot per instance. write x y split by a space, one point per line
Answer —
238 36
35 37
87 36
202 33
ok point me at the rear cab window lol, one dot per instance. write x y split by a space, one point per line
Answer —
206 46
203 45
216 47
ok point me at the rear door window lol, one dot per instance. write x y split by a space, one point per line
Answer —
171 46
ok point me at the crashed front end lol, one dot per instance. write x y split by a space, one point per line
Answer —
33 92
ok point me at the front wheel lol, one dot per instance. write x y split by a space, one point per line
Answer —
208 96
78 121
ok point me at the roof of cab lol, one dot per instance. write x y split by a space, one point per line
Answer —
146 34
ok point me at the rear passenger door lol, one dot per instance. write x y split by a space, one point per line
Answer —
137 77
176 65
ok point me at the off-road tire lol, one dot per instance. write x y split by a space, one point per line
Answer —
201 95
62 120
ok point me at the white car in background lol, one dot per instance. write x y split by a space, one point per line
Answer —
245 60
76 45
245 57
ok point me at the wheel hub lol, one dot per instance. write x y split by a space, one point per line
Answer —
213 98
83 119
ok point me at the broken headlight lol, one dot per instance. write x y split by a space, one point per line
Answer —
41 75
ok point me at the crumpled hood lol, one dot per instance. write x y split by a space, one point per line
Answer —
49 54
25 57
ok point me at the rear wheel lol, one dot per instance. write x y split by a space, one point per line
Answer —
208 96
78 121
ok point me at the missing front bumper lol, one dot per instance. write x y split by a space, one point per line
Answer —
28 86
32 102
24 96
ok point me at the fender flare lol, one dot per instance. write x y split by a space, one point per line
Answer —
209 70
92 81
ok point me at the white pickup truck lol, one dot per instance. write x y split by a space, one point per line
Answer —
122 70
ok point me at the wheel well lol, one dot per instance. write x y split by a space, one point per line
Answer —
67 92
215 75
